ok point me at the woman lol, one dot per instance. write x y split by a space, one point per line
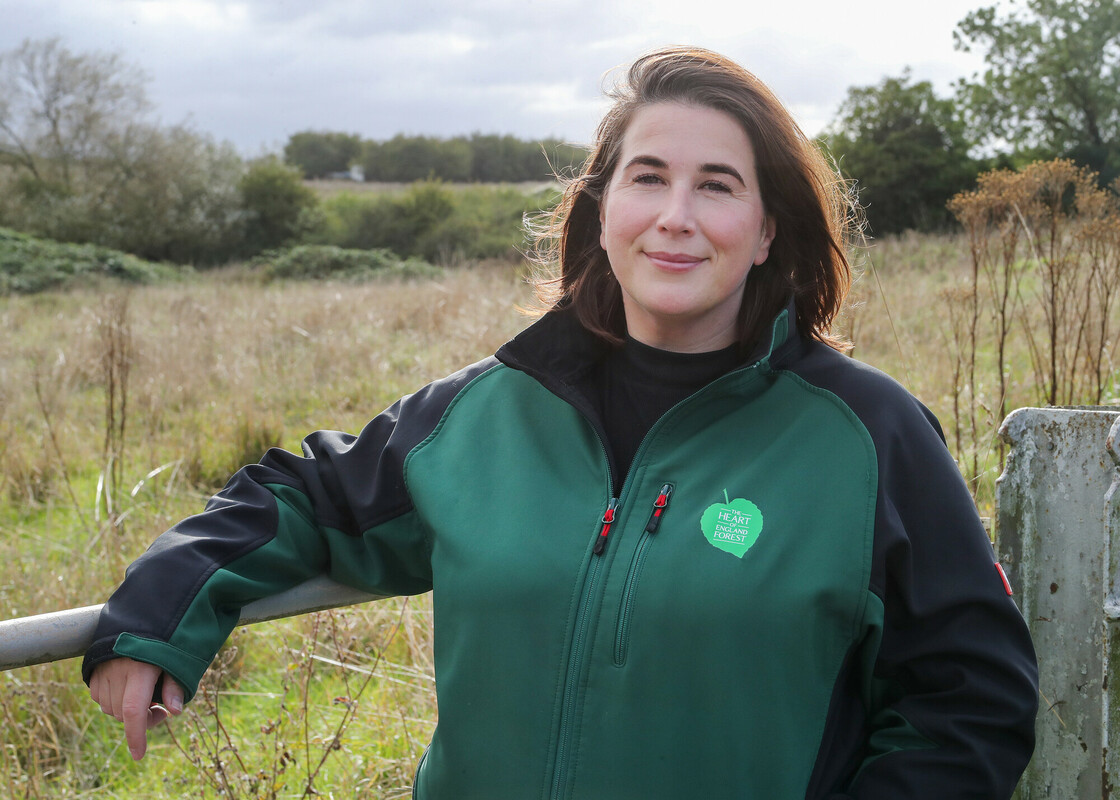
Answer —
680 546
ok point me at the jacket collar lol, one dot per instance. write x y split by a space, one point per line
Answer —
557 350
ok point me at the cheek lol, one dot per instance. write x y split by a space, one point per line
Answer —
737 234
621 222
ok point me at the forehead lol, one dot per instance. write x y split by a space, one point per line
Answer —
678 132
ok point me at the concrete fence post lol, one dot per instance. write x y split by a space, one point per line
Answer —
1056 521
1111 717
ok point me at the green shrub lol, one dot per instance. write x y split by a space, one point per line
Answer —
29 265
434 221
317 262
170 196
279 209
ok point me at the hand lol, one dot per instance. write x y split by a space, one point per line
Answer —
123 688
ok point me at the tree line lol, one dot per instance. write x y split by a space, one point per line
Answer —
478 158
82 160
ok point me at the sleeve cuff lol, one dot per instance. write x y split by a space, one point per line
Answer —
185 668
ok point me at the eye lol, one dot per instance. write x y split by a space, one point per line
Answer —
648 178
716 186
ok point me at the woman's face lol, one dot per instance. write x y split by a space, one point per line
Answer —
682 224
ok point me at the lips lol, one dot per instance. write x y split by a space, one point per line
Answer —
673 261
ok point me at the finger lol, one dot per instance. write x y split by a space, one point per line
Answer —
156 715
110 704
96 689
134 709
172 695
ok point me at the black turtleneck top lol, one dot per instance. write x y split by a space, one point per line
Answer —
635 384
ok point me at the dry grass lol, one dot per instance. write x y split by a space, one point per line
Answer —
217 370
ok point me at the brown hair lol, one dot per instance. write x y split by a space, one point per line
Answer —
806 197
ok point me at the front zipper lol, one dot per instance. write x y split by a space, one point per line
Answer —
576 655
622 632
607 521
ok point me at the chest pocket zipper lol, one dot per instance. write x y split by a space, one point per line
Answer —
629 591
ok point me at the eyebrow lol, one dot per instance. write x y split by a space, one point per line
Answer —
723 169
711 168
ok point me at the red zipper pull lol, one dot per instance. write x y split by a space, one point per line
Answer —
659 507
608 520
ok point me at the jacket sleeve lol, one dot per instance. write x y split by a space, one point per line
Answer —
342 508
952 689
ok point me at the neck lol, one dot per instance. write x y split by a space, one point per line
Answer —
682 339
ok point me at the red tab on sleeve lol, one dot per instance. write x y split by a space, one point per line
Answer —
1003 577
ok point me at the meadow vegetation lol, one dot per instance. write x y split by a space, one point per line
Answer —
124 405
120 411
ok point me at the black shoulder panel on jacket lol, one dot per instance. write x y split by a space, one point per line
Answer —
357 482
955 662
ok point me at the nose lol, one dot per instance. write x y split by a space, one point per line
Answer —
676 214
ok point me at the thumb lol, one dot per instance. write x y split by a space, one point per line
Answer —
172 695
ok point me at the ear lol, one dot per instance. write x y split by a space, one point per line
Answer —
769 231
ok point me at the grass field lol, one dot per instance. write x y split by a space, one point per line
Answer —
121 412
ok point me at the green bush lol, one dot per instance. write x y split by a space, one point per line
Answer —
29 265
278 208
317 262
433 221
171 195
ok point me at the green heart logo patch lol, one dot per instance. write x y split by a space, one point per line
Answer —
732 526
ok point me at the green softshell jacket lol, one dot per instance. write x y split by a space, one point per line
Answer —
789 596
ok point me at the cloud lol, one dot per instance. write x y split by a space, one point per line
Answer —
256 71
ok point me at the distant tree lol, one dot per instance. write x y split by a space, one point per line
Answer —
481 158
59 109
496 158
1051 86
906 149
279 209
175 198
84 163
319 153
404 159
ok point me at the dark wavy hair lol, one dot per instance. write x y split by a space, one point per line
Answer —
815 214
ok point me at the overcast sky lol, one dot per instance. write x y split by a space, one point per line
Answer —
256 71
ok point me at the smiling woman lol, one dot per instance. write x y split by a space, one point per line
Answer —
810 214
679 545
682 224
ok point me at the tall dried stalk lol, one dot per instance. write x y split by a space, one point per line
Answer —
1046 240
959 301
1103 246
117 355
1045 249
56 447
